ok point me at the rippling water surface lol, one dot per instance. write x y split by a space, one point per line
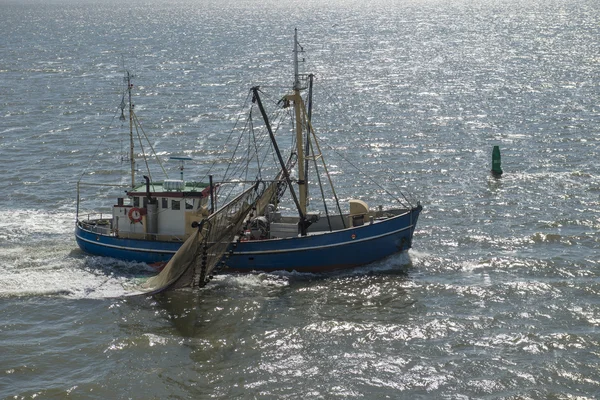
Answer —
497 299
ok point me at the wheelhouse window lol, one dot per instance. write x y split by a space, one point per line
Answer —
136 201
175 205
165 203
189 204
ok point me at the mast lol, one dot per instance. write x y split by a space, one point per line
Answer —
131 149
303 193
307 152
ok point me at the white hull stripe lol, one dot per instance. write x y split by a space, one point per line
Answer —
367 239
142 250
114 246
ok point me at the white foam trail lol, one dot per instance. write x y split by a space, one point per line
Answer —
39 257
63 275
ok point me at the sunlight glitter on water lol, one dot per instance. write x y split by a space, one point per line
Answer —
498 299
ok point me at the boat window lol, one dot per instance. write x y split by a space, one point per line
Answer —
145 202
136 201
165 202
189 204
175 205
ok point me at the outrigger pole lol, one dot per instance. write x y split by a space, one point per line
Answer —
304 223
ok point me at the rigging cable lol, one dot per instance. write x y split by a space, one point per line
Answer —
404 196
138 124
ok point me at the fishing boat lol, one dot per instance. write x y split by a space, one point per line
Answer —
251 231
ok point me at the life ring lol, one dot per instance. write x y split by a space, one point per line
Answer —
135 215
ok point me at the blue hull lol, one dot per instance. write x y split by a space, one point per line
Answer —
147 251
345 248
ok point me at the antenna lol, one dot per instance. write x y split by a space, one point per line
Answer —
182 160
297 49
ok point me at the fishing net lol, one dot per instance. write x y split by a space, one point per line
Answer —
194 262
271 195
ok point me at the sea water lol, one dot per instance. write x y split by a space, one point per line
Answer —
498 297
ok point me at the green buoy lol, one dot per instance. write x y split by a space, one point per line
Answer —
496 163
